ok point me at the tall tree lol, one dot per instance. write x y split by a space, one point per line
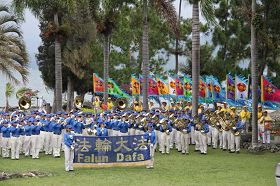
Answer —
57 7
13 56
105 13
166 9
9 91
254 74
207 11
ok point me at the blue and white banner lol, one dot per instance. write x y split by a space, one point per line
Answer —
91 150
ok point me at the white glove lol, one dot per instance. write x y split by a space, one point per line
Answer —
72 147
150 134
234 128
152 145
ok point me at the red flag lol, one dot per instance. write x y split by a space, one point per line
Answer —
98 84
269 91
202 88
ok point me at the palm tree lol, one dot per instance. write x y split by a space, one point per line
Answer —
105 14
8 93
57 7
254 74
177 41
167 11
207 11
13 56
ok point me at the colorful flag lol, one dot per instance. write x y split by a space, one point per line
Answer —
115 90
187 80
241 88
209 92
152 86
202 88
98 84
230 87
179 87
218 92
269 91
172 86
163 88
135 86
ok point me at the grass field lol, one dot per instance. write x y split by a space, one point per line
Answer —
216 168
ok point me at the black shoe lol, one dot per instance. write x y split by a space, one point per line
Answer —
224 149
237 152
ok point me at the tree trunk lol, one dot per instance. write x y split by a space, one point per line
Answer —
254 73
177 42
70 94
58 71
145 53
7 105
195 57
106 51
54 102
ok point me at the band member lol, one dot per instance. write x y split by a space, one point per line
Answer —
6 136
35 140
235 135
27 138
102 131
203 136
265 127
188 105
15 140
150 137
245 117
165 129
196 135
123 126
110 104
260 114
151 105
137 106
185 136
78 125
69 148
164 106
48 135
226 133
96 104
57 137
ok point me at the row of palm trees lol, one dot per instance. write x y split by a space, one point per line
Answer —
104 13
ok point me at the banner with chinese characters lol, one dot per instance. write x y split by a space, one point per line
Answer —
111 151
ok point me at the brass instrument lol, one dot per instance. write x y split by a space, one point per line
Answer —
121 103
24 103
78 102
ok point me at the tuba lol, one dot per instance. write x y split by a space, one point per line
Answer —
121 103
24 103
78 102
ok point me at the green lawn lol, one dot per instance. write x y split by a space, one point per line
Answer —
216 168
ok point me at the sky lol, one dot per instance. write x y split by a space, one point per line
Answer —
30 29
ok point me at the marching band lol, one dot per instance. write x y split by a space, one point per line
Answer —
166 127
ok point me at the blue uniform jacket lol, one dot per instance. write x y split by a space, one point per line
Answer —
57 128
205 128
115 125
28 130
68 139
16 132
150 136
6 132
102 132
123 126
78 127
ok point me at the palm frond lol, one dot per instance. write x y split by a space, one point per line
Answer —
9 90
167 10
207 11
